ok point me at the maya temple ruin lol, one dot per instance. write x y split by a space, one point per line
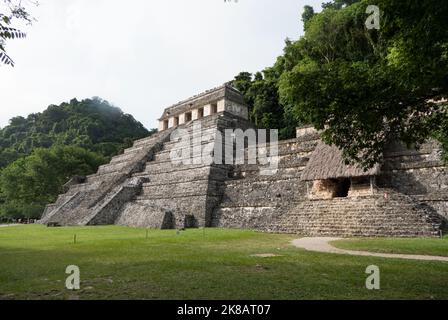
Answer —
311 191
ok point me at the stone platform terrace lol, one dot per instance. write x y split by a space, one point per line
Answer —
144 187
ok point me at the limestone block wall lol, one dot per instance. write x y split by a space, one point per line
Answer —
188 187
281 203
108 210
418 173
254 200
100 195
360 190
323 189
372 216
236 109
175 193
134 214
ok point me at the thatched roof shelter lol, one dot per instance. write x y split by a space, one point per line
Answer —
327 162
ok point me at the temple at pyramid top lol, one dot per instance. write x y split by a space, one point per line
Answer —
221 99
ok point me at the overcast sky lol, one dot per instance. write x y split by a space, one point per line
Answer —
141 55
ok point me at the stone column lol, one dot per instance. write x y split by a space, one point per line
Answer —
194 114
182 118
207 110
221 105
171 122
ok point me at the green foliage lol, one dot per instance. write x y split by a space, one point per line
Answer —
308 13
261 94
11 10
41 152
92 124
368 87
29 183
363 88
338 4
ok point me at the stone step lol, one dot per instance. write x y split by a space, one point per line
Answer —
186 175
399 215
134 149
290 190
252 172
196 160
354 228
146 141
124 157
182 205
198 187
206 134
81 187
280 151
62 198
356 225
139 147
99 177
156 167
285 148
204 150
353 223
112 167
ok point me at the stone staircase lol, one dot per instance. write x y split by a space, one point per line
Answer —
254 200
144 187
396 215
100 197
279 203
188 190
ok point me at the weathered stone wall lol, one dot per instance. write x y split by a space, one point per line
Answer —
99 197
323 189
416 197
419 173
254 200
181 182
371 216
138 215
108 210
179 194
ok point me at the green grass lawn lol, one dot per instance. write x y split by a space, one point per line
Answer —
429 246
120 263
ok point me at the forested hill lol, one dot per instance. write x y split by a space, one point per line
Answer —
40 153
92 124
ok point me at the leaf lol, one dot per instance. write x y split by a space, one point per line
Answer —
6 59
11 33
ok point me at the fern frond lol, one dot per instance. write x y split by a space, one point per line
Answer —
11 33
4 58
